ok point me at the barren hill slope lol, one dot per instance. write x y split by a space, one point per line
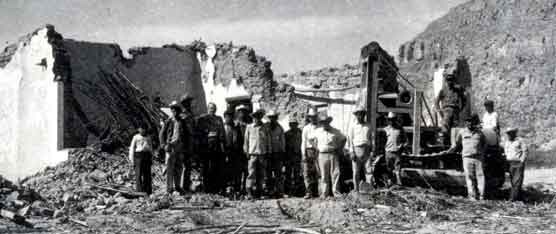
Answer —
510 48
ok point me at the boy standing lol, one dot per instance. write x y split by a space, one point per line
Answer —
140 154
395 142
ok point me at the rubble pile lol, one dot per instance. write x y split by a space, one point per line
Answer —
92 181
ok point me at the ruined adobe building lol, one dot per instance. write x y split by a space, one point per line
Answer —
60 93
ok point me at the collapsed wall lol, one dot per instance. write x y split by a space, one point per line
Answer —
509 48
230 71
61 93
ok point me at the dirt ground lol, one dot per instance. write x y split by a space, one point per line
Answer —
394 210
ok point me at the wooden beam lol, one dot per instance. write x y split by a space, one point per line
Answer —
372 98
326 90
383 109
417 122
325 99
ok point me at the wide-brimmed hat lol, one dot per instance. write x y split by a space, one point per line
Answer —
510 129
272 113
359 109
312 112
391 115
258 113
292 119
323 117
241 107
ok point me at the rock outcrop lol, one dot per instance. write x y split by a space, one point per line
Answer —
510 50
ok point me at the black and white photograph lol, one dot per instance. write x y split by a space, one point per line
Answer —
277 116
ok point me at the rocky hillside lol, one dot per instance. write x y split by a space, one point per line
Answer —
510 48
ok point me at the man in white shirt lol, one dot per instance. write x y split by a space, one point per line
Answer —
309 155
330 144
516 154
359 145
491 125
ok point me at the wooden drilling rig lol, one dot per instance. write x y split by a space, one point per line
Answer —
424 162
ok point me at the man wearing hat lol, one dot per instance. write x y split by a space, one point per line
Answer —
233 152
516 153
359 146
396 141
293 157
451 100
242 120
188 119
330 144
212 140
257 144
309 155
172 140
277 156
472 143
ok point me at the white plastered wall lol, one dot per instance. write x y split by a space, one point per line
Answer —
217 93
30 110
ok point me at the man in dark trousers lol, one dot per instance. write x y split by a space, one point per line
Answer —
277 157
140 154
309 155
171 139
256 144
188 119
293 175
242 120
233 150
451 100
212 140
396 140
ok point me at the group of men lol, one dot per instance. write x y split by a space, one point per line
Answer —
237 154
241 154
479 139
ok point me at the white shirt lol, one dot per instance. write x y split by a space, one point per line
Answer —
329 140
359 135
490 120
307 141
516 150
140 143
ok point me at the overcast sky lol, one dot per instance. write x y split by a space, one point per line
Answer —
294 34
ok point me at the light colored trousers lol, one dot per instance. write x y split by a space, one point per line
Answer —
359 164
257 177
474 176
329 164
